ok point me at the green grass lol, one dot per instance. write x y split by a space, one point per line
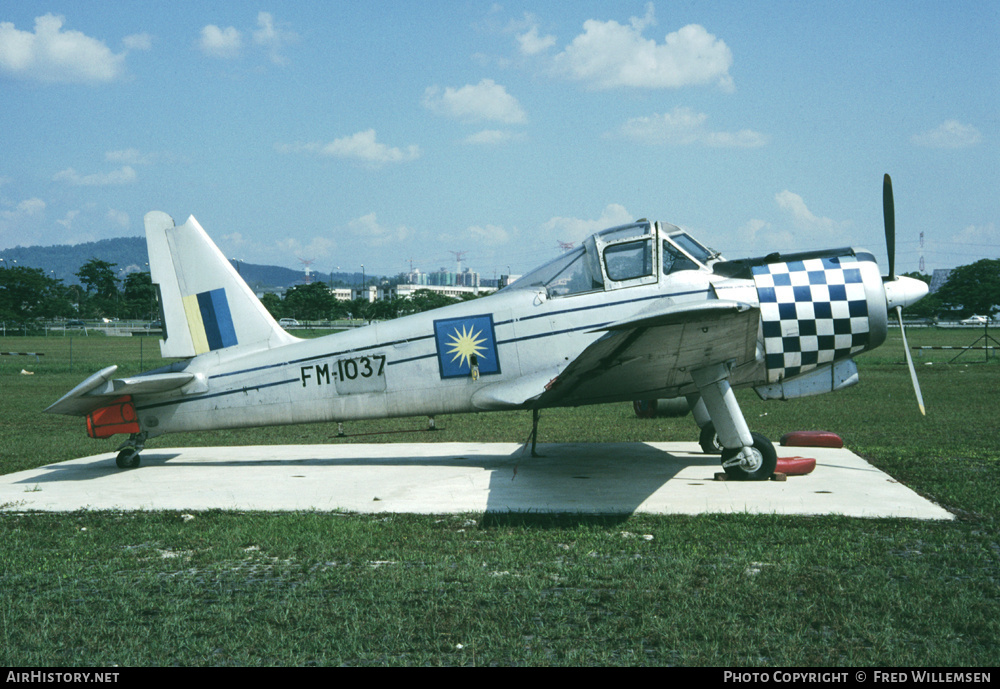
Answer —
223 588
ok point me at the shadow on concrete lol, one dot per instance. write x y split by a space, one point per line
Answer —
573 479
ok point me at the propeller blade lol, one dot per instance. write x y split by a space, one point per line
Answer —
909 362
889 216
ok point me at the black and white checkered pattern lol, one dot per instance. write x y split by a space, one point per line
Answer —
813 312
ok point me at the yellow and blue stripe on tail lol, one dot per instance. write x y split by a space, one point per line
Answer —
209 320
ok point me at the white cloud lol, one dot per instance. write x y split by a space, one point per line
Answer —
610 55
362 146
228 43
130 156
983 237
223 43
138 41
52 55
118 217
67 220
493 137
124 175
294 250
576 229
802 217
486 100
370 231
950 134
684 127
760 235
530 43
23 224
272 37
490 235
28 207
235 240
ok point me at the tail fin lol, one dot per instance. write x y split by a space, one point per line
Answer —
206 304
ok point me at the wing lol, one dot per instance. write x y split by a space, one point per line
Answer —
648 353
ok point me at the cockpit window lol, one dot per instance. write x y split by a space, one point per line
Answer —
674 260
568 274
623 253
625 231
629 260
692 247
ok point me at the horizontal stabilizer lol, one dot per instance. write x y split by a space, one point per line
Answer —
74 402
155 382
94 392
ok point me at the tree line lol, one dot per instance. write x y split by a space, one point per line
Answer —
970 289
315 302
28 295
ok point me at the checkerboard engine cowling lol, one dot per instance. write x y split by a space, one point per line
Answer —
813 312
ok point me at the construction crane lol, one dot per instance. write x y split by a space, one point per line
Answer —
459 255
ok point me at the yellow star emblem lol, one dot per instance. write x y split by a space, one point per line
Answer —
466 344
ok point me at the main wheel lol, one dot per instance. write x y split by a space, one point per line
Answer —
644 409
758 467
128 458
709 440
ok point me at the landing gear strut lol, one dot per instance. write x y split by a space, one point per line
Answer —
745 456
533 437
128 452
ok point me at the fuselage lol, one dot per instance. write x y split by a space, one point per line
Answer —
502 351
400 367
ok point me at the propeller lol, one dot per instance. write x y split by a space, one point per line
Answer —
899 291
889 216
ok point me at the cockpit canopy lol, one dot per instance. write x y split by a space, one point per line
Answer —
635 254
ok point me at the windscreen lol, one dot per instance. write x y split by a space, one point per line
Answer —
568 274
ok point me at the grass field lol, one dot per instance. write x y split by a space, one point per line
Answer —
221 588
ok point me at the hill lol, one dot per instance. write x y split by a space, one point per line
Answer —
129 255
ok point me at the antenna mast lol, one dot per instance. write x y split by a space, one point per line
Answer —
307 263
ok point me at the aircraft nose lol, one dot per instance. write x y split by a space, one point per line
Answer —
904 291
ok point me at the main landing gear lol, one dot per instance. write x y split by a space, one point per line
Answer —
746 456
128 452
754 463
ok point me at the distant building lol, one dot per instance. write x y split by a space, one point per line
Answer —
405 291
369 293
443 278
280 291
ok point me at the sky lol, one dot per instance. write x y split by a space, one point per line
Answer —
391 134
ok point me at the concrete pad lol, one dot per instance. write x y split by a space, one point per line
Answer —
440 478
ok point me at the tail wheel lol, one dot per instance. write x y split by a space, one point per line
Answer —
758 465
128 458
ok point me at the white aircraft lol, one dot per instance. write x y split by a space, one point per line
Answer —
637 312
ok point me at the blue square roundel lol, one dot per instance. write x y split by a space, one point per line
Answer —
464 341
